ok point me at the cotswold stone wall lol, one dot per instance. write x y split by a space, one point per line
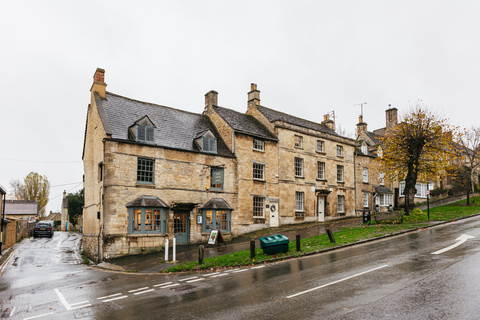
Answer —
309 183
180 178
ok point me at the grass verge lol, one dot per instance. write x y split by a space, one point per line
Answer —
343 236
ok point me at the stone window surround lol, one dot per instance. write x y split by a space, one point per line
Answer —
298 166
258 207
298 141
341 203
144 174
258 145
258 173
339 151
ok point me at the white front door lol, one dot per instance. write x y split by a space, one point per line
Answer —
273 211
321 208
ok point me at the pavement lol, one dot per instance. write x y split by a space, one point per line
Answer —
154 262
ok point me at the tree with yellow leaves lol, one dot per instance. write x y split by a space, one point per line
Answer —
419 147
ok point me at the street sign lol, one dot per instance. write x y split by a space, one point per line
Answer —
427 192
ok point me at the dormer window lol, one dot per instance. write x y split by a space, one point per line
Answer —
206 141
142 130
364 149
209 144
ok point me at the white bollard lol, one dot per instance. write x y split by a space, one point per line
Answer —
166 249
174 249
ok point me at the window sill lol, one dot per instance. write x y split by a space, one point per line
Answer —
299 177
258 180
322 180
341 182
365 182
145 185
137 235
258 150
321 152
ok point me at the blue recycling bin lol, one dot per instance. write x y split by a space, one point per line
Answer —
274 244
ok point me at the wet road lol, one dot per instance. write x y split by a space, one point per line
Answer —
431 274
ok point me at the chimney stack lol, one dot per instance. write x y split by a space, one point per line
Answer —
329 123
391 117
211 99
99 84
253 96
361 126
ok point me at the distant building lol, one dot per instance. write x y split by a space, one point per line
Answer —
21 209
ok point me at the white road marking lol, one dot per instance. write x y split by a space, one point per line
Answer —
139 289
220 275
199 279
161 284
334 282
188 279
142 292
39 316
210 274
67 305
117 298
461 239
4 264
112 295
171 285
258 267
242 270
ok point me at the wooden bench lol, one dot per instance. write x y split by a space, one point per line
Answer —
388 216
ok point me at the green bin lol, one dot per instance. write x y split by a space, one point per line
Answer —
274 244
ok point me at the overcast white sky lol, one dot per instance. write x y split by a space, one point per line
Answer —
307 57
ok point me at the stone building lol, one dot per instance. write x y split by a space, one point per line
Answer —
385 193
154 173
151 173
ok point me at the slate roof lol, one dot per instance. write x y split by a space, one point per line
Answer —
374 137
21 207
273 115
245 123
147 201
216 203
174 128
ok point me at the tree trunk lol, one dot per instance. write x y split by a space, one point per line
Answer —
410 190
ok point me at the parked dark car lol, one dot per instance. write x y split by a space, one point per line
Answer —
43 229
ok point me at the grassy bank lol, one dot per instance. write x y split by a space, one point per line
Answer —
416 219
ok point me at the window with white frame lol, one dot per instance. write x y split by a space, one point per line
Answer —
321 170
365 175
421 188
298 167
258 171
339 151
298 141
258 205
384 200
299 201
364 149
258 145
381 178
379 152
365 199
320 146
341 204
339 173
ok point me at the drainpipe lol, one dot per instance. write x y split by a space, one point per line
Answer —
1 223
355 180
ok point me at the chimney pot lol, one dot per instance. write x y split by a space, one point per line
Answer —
253 96
99 84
